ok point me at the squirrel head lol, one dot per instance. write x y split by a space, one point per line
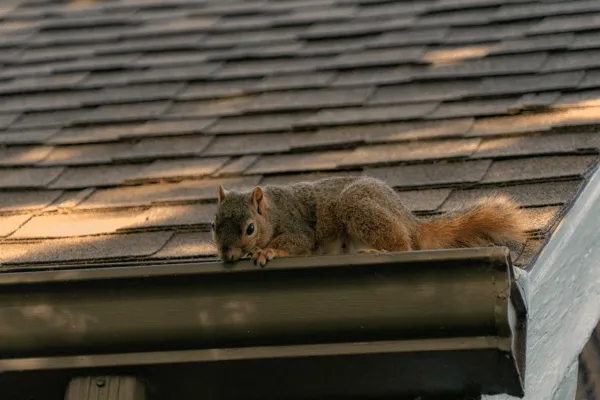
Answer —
241 225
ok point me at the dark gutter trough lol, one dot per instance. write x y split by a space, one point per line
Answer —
448 322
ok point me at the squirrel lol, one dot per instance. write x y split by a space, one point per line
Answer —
350 214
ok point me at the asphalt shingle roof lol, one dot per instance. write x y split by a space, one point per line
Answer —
119 118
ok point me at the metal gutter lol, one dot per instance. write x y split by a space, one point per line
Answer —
418 323
564 298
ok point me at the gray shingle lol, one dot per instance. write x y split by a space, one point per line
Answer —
305 177
335 46
37 136
189 145
377 75
201 71
216 89
314 15
27 200
211 108
10 223
297 162
488 32
23 155
85 248
469 108
526 11
351 115
560 41
191 190
296 81
250 37
578 117
537 101
96 63
105 175
302 99
377 57
236 167
480 16
46 119
77 224
572 60
7 119
136 45
533 145
586 40
85 154
532 194
424 200
260 68
422 130
591 79
383 9
133 93
583 98
41 83
528 83
566 23
93 134
54 53
188 245
176 216
512 124
190 25
41 102
494 65
28 177
382 133
535 168
184 168
423 91
101 79
168 128
402 38
355 27
125 112
415 151
252 143
259 123
431 174
173 58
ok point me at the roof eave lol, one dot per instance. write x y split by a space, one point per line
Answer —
451 320
564 294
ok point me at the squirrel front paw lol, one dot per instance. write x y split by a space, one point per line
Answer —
261 257
371 251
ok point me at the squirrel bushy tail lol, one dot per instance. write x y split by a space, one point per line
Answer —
492 220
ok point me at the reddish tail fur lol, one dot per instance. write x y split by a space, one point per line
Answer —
492 220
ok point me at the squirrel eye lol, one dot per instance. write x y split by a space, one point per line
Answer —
250 229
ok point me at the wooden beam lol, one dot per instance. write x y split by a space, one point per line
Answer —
106 388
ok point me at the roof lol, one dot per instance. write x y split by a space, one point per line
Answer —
119 118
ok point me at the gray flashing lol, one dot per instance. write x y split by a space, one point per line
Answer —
564 296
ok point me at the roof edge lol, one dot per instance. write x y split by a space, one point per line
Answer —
564 295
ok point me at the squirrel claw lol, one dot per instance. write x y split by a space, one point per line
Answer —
261 257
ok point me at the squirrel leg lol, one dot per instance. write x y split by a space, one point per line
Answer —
377 228
283 245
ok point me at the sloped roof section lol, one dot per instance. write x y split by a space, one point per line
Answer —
118 118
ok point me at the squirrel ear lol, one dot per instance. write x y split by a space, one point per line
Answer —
221 193
258 200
